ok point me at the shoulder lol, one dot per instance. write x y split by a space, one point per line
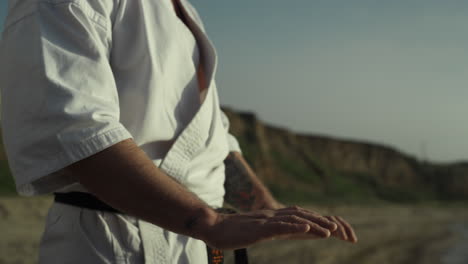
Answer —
96 10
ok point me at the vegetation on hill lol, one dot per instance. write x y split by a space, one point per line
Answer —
329 170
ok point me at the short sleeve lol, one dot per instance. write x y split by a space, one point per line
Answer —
232 141
59 98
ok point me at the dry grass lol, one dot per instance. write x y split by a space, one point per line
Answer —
21 224
390 234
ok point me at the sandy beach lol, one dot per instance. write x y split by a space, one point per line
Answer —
387 234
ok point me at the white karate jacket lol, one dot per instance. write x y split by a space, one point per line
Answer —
78 76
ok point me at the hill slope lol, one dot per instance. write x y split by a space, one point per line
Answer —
328 169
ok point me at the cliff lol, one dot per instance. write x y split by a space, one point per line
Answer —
297 167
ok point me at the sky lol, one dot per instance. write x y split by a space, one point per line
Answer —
388 72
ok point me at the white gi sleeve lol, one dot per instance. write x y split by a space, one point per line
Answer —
59 98
232 141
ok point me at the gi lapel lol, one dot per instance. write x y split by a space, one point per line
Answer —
193 137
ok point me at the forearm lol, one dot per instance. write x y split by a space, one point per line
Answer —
243 189
125 178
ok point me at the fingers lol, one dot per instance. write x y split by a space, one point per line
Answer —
344 231
295 208
313 228
244 229
277 229
340 231
297 223
310 216
349 230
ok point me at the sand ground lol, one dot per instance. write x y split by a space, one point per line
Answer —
388 234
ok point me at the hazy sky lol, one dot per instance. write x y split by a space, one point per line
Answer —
392 72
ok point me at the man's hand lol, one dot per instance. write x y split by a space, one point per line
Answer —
231 231
246 192
344 231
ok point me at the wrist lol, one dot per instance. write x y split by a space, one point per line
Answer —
201 223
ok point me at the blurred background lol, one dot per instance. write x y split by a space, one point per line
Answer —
347 107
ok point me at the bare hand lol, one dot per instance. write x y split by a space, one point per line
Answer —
231 231
344 231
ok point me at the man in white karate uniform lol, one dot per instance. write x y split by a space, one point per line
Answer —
112 105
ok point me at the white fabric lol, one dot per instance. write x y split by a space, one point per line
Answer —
77 76
77 235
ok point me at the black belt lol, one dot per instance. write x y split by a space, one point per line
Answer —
89 201
85 200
